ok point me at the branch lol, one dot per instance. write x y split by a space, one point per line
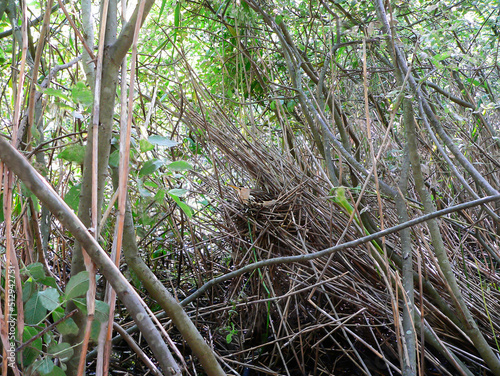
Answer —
35 22
340 247
124 41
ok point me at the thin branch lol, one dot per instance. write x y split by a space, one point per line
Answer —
337 248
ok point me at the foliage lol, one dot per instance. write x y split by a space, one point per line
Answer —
44 302
303 100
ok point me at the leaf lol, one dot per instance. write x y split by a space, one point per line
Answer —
56 371
279 19
63 351
29 287
77 285
177 192
81 304
143 191
49 298
162 8
35 347
34 311
49 282
101 311
3 58
73 153
44 366
177 15
160 196
35 270
95 330
82 94
180 166
58 93
231 29
185 207
114 159
72 198
162 141
68 327
443 56
145 145
150 166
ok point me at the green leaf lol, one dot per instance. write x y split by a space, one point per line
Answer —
162 141
58 93
49 282
63 351
279 19
163 3
114 159
143 191
145 145
35 347
29 287
34 311
49 298
44 366
177 192
101 311
35 270
81 304
73 153
94 330
82 94
68 327
72 198
160 196
77 285
177 15
443 56
180 166
185 207
56 371
150 166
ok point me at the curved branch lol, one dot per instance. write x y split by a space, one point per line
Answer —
337 248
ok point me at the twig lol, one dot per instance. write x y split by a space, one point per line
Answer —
38 335
340 247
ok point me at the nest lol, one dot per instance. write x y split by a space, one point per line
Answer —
327 316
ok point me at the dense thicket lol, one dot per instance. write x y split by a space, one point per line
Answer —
344 118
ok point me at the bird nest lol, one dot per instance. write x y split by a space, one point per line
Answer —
325 316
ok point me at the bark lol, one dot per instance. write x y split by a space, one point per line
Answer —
409 335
